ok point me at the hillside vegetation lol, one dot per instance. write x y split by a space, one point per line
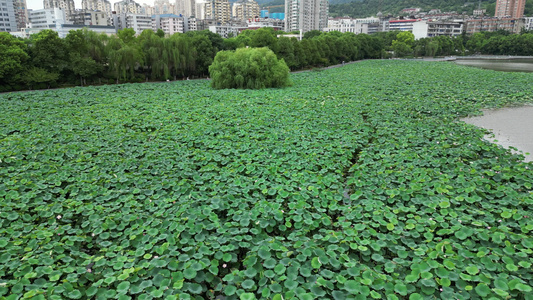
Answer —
367 8
357 182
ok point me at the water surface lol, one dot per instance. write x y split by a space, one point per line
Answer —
501 64
512 127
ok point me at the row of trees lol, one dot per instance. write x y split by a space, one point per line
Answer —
489 43
85 57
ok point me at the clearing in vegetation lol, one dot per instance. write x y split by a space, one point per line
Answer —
355 182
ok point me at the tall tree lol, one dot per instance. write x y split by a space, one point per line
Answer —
81 45
13 57
49 52
403 43
123 58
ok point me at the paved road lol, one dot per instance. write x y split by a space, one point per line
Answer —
511 127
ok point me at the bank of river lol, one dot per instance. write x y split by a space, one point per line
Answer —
498 63
512 127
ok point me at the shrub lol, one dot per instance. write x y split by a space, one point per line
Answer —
248 68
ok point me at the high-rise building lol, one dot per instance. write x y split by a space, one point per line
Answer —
48 18
97 5
246 9
218 10
7 15
186 7
89 18
163 7
128 6
66 5
21 13
510 8
171 23
137 22
306 15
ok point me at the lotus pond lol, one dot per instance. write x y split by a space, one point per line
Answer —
355 183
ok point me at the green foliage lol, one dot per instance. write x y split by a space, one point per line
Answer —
13 55
35 76
48 51
365 8
248 68
342 186
85 57
402 45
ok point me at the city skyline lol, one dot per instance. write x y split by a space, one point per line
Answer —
38 4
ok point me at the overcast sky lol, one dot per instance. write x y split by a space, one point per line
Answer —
38 4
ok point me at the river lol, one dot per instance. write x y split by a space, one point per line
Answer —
505 64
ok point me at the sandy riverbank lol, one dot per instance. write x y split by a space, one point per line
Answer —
511 126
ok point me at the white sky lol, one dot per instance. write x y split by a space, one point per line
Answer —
38 4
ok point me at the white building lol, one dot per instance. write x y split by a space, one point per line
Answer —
54 19
97 5
200 9
136 22
162 7
170 23
21 13
66 5
306 15
245 9
8 20
64 29
528 23
258 23
48 18
127 6
186 8
423 29
346 24
89 17
400 25
225 30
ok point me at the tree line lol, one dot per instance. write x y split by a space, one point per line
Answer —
84 57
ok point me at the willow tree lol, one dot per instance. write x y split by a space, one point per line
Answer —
156 60
248 68
124 58
182 55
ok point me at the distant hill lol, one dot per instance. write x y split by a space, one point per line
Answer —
367 8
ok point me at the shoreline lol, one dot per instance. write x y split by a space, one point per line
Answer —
511 127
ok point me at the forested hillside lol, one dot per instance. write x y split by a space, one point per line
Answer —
366 8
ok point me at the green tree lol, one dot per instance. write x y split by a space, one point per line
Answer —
81 45
286 52
312 34
49 52
248 68
182 55
155 55
205 52
127 35
403 43
476 42
123 59
264 37
13 57
35 76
